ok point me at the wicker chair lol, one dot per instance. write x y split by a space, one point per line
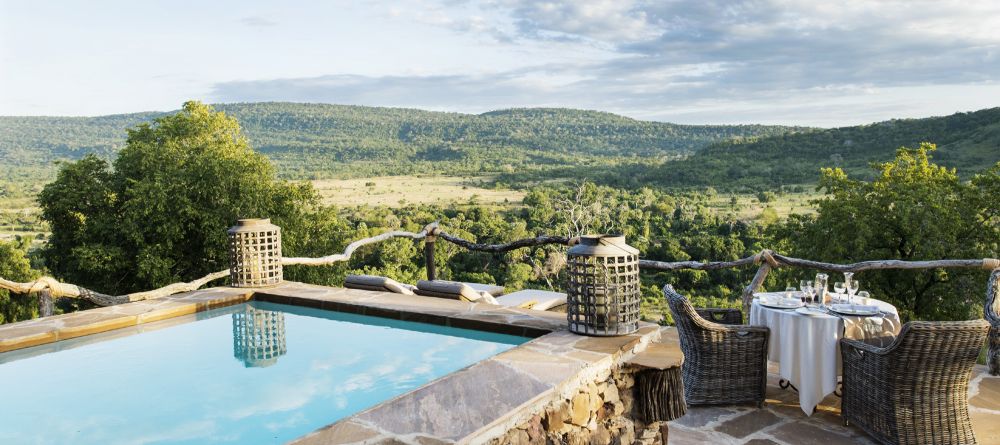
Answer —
723 364
914 391
720 315
992 312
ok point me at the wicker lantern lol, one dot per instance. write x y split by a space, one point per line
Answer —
258 337
254 253
603 289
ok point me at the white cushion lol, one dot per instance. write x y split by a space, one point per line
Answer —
374 282
453 289
494 289
543 299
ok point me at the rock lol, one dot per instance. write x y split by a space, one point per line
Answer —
556 417
611 394
601 436
518 437
536 434
580 409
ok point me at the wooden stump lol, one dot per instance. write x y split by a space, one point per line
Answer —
660 394
659 387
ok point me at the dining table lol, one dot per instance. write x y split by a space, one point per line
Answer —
805 343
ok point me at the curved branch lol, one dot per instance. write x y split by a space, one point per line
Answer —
711 265
513 245
346 255
58 289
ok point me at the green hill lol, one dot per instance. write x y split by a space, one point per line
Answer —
969 142
319 140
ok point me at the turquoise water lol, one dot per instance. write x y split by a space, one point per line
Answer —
256 373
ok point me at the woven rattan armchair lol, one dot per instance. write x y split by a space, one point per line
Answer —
723 364
914 391
992 312
721 315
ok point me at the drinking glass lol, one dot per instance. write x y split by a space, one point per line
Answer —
852 288
790 291
864 297
839 287
807 289
819 287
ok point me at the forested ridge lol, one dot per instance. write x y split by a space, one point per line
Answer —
969 142
320 140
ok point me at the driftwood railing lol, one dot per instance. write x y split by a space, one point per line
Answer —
767 260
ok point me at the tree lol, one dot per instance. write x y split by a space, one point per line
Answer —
160 216
14 265
912 210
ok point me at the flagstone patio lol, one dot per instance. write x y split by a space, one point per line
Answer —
783 422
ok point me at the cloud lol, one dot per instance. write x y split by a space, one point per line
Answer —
684 59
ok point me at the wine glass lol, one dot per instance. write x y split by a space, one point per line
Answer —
790 291
807 289
839 288
852 288
864 297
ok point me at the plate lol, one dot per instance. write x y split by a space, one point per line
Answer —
781 305
809 311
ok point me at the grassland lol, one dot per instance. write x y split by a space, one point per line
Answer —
400 191
750 207
21 216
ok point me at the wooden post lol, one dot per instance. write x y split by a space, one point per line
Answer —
758 281
44 303
429 241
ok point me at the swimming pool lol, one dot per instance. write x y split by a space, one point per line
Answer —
249 373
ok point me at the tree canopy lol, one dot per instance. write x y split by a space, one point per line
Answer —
159 216
14 265
912 210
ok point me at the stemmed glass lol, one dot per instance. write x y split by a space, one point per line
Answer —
852 288
806 287
839 288
789 291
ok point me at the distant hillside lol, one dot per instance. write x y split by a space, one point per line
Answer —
969 142
318 140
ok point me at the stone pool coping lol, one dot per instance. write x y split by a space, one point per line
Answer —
473 405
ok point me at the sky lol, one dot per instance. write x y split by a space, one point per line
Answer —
818 63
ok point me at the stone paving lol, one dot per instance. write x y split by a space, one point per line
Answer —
783 422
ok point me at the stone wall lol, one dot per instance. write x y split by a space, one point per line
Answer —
601 412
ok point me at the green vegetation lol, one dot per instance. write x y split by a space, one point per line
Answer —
315 141
912 210
154 219
969 142
14 265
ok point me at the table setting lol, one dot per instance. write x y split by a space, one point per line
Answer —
807 324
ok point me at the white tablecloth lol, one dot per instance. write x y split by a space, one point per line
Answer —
807 348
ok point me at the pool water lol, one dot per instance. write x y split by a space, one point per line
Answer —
252 373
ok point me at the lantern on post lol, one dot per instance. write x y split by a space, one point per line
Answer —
603 292
254 253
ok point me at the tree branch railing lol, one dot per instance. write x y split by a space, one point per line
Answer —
766 259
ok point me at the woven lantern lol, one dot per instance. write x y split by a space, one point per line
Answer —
254 253
258 337
603 289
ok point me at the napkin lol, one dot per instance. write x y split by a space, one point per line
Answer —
856 307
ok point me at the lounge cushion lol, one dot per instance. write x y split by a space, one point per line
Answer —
453 290
544 300
494 289
377 283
